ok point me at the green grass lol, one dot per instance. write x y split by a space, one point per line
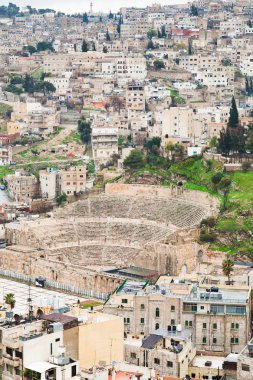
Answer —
37 74
73 137
4 170
4 108
87 305
243 192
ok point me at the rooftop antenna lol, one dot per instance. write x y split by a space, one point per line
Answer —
91 8
29 300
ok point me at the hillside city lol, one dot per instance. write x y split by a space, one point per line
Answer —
126 192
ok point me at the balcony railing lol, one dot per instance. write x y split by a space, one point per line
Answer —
14 362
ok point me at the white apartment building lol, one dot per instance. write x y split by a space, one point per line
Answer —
246 65
177 123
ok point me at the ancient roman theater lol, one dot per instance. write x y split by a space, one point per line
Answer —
146 226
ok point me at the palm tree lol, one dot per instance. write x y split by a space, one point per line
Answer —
227 267
10 300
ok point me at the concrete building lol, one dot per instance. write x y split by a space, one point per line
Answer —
71 181
219 317
104 140
22 187
245 362
48 183
167 352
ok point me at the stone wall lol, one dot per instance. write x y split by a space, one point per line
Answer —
192 196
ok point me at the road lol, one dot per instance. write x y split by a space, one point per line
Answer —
4 199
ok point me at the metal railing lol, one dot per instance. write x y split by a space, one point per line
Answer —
55 285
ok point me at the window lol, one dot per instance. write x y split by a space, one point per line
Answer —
245 367
133 355
124 300
157 312
19 354
204 340
215 326
9 351
156 361
142 321
234 340
217 309
204 325
57 340
170 364
73 370
172 308
214 340
126 321
186 323
236 309
157 326
172 322
142 306
234 326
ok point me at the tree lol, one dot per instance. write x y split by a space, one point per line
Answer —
84 129
31 49
43 46
190 47
93 46
107 37
159 34
226 62
163 31
84 47
225 141
153 145
135 160
227 267
233 121
246 165
194 10
61 198
110 16
249 141
119 28
158 65
9 299
213 142
151 33
247 86
105 50
150 45
117 103
85 18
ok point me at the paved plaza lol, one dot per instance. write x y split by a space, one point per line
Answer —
39 296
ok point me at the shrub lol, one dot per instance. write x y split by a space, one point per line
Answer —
246 166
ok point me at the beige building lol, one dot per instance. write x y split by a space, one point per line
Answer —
22 187
167 352
177 123
245 363
104 141
103 335
219 317
71 181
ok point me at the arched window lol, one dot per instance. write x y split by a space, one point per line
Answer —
157 312
157 326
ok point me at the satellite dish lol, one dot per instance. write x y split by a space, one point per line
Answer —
39 313
17 319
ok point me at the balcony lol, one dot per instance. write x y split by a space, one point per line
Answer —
12 342
13 362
